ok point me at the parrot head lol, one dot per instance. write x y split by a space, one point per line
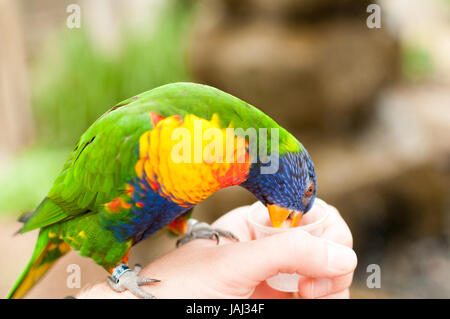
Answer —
287 193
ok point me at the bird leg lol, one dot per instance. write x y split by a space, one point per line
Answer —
123 278
198 230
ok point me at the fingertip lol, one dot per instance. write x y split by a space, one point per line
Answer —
341 259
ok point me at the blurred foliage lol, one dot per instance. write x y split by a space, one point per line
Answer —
74 83
26 180
71 90
417 63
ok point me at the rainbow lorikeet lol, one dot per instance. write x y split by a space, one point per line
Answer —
139 168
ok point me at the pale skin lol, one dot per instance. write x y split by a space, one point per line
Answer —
202 269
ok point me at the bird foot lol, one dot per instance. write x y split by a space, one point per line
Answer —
197 230
123 278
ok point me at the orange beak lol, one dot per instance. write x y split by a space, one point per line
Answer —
278 215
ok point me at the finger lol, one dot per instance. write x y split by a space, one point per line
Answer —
334 226
336 229
295 251
236 222
345 294
319 287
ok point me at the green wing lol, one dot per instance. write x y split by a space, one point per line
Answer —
98 167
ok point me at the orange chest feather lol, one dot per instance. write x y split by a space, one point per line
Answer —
187 160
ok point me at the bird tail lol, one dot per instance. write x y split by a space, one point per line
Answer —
44 255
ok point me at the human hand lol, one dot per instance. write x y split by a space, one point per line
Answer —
202 269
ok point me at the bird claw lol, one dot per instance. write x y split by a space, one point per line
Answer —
129 280
198 230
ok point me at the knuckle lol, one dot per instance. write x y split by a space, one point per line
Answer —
308 246
334 209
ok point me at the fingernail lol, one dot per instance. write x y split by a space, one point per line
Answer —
341 258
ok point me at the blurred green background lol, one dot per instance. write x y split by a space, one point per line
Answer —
371 105
85 82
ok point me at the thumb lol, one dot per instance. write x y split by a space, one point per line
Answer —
291 252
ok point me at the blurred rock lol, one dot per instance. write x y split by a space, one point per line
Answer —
382 156
295 8
392 186
319 75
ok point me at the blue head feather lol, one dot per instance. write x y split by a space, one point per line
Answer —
288 185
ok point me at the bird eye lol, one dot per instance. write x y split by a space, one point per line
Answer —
310 190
